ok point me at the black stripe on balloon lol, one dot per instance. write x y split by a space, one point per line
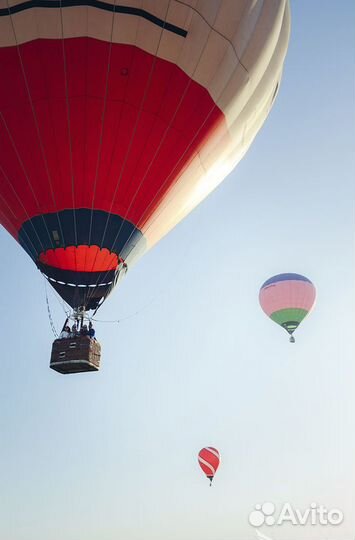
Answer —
121 236
96 4
290 326
80 289
73 279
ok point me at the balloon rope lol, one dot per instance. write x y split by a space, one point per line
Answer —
67 310
134 314
40 144
162 139
174 168
26 176
103 116
159 147
19 200
164 206
49 311
146 89
69 130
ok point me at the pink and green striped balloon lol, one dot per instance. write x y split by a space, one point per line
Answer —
287 299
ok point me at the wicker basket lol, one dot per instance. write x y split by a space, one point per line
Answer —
75 355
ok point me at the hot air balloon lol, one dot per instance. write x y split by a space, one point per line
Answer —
117 119
287 299
209 460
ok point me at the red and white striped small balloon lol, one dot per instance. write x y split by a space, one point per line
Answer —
209 459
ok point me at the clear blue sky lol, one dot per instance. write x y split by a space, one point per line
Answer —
112 456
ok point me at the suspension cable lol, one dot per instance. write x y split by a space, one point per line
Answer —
157 151
177 164
55 333
69 131
134 314
45 161
133 134
103 117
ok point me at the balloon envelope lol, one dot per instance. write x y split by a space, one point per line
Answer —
209 460
287 299
117 120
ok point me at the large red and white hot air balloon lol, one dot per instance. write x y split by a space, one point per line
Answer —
209 459
118 118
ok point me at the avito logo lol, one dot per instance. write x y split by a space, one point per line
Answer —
265 514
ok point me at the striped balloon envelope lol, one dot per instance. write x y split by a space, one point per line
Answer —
209 459
287 299
118 118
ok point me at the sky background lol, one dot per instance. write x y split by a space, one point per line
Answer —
113 455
